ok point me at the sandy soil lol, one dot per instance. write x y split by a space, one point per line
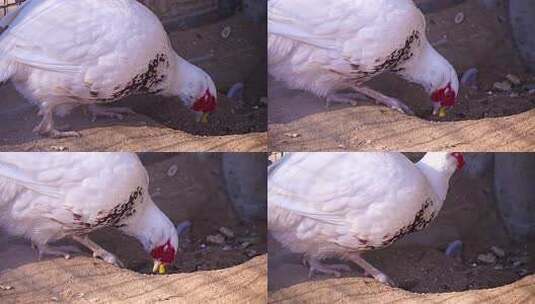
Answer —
197 194
367 291
482 121
163 124
417 263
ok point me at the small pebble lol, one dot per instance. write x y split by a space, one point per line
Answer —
487 258
517 264
503 86
245 245
469 78
454 249
55 299
459 18
6 287
225 33
498 267
251 253
251 239
172 170
227 248
217 239
226 232
513 79
58 148
497 251
292 135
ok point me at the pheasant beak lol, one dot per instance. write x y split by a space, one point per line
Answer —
441 111
203 118
159 267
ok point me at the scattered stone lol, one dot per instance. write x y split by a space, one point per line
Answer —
6 287
518 262
59 148
469 78
514 95
503 86
55 299
227 232
528 87
454 249
227 248
498 267
245 245
251 253
172 170
459 18
225 33
202 246
250 239
487 258
341 147
515 80
217 239
292 135
497 251
235 93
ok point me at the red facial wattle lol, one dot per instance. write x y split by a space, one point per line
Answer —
164 253
460 159
445 96
207 103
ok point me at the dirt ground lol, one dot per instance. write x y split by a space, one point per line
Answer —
484 120
163 124
196 193
417 262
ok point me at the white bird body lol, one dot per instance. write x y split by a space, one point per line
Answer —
63 53
325 46
49 196
338 204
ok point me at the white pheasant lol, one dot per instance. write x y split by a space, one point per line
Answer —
342 204
329 46
49 196
61 54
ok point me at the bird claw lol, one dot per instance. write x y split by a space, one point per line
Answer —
383 278
63 251
108 258
316 266
114 113
62 134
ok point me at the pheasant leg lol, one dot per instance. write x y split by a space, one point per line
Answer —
368 268
101 111
316 266
98 252
383 99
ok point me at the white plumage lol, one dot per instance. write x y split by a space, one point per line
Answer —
328 46
339 204
49 196
64 53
